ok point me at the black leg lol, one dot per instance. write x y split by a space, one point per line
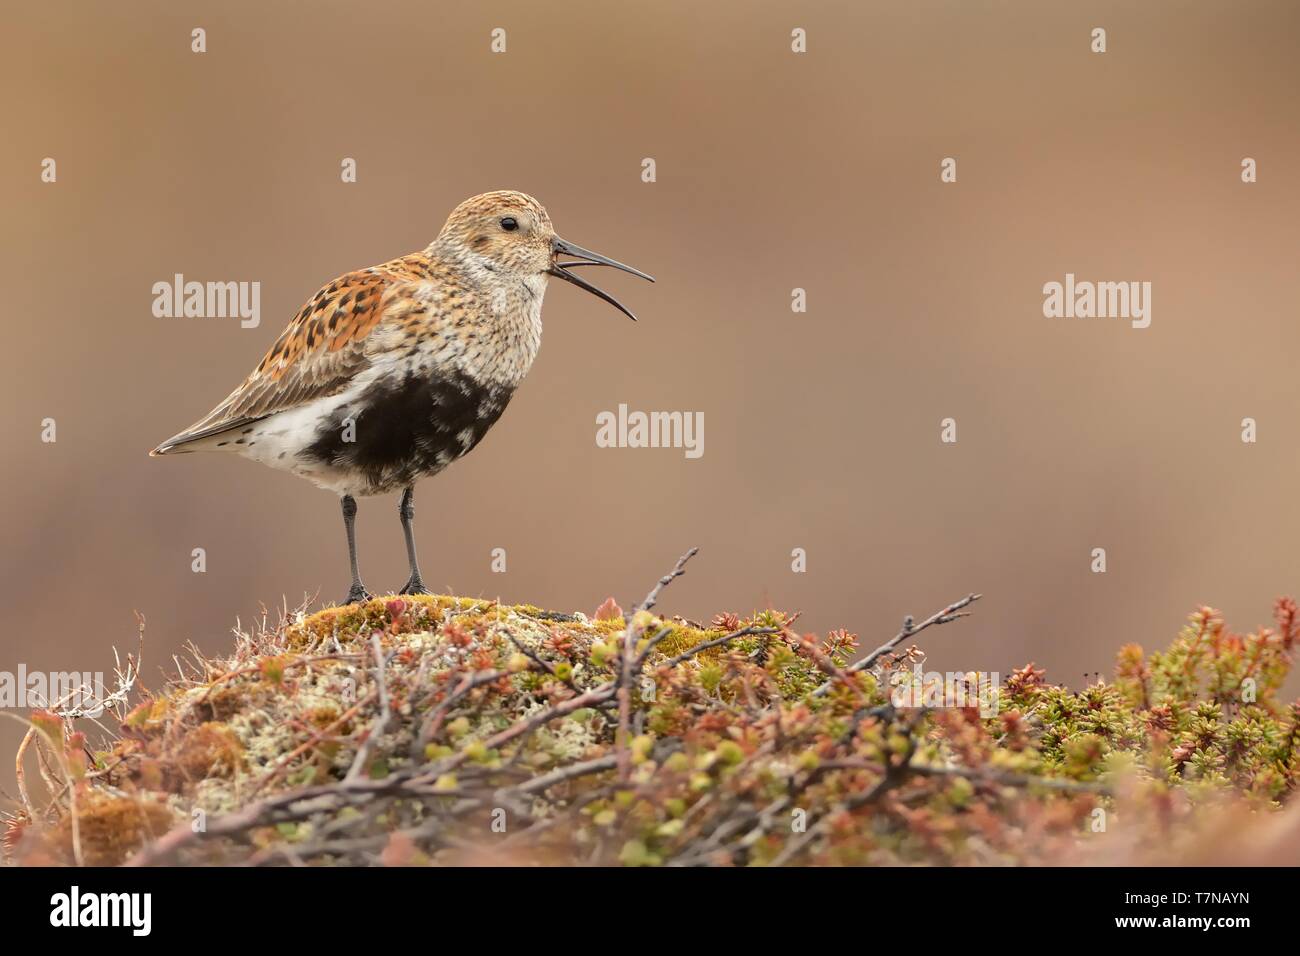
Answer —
406 511
357 593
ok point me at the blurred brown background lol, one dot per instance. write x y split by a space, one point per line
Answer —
775 171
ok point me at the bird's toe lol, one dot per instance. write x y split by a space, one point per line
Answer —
357 594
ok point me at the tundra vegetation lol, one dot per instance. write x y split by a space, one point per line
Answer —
445 730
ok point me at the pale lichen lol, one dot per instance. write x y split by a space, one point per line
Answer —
429 725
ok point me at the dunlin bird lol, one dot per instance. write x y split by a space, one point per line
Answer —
391 373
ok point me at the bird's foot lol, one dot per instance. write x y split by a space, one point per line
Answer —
414 586
357 594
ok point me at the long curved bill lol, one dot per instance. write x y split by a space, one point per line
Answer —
585 257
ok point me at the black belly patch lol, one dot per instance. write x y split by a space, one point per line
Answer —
405 428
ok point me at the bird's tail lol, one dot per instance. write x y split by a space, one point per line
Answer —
171 447
188 441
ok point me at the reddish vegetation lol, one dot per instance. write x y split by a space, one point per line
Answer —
433 729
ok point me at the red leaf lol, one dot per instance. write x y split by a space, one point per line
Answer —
609 611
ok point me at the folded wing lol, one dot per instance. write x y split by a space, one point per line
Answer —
317 355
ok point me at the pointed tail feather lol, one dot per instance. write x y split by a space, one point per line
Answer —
175 445
200 438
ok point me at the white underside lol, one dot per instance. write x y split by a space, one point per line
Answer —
280 439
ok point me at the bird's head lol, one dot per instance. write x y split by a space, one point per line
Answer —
509 235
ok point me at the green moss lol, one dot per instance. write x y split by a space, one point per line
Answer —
734 740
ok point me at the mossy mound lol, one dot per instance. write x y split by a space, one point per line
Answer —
439 729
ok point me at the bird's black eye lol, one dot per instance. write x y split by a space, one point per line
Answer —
509 224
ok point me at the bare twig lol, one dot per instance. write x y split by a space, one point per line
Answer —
950 613
678 570
718 641
361 762
21 773
895 773
287 760
34 733
1006 778
563 774
434 803
433 723
593 696
630 663
542 662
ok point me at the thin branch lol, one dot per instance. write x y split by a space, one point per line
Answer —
564 774
630 664
717 641
362 759
433 803
287 760
1006 778
433 723
950 613
678 570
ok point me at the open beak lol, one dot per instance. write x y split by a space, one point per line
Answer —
585 257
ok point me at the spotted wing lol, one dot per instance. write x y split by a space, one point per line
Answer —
317 355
